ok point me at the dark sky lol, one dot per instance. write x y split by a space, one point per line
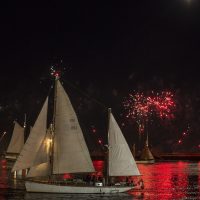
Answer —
105 48
156 37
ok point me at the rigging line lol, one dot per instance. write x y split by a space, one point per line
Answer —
85 94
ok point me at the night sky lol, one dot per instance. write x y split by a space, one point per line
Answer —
105 51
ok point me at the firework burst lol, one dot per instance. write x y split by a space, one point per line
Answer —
162 104
137 108
141 107
54 72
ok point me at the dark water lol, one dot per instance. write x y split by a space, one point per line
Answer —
163 180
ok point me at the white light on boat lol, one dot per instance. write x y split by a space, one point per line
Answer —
15 174
48 142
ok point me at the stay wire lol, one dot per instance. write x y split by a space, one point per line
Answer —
85 94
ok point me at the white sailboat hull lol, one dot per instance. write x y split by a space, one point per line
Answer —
50 188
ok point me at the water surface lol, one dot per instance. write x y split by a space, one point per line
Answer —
162 180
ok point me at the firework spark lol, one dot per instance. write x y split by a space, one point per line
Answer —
184 134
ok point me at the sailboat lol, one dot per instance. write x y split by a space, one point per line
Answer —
16 142
146 156
64 150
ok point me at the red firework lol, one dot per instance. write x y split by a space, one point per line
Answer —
162 104
137 107
141 107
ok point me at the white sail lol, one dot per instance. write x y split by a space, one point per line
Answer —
39 170
41 164
71 154
42 155
17 140
121 161
27 156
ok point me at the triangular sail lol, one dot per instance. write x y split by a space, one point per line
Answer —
146 153
27 156
41 164
121 161
71 154
17 140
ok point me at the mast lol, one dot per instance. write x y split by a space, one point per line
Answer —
52 128
107 160
24 121
24 126
147 139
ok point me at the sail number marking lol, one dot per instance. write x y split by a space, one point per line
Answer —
73 127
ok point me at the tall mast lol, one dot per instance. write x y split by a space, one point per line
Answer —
107 160
24 126
147 139
24 120
53 122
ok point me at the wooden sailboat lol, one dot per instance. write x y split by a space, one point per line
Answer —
16 142
64 150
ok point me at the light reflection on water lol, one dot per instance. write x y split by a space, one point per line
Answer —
162 180
171 180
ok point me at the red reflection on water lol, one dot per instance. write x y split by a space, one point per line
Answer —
3 171
3 162
168 180
3 178
163 180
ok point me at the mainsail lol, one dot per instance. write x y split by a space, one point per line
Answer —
121 161
70 153
29 151
17 140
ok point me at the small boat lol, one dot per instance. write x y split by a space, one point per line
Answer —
16 142
146 156
49 154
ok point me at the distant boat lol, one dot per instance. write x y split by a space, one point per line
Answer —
64 150
146 156
16 143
